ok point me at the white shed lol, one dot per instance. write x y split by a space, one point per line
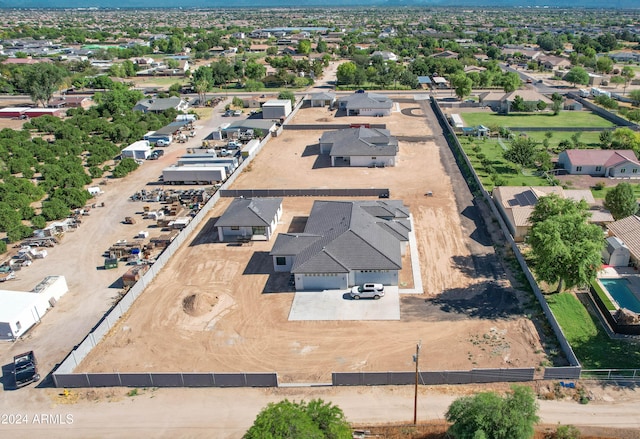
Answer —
137 150
616 253
20 310
276 108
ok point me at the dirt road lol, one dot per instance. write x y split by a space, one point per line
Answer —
228 413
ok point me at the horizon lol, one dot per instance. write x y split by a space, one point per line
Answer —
106 5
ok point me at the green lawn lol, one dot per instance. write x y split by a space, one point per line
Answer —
564 119
590 138
505 169
601 193
592 346
603 296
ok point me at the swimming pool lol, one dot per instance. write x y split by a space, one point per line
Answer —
619 290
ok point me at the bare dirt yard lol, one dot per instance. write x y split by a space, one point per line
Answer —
218 307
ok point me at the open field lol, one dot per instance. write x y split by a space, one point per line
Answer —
468 317
567 119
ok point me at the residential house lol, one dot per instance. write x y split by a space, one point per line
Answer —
627 230
71 102
502 102
346 243
617 163
516 203
385 55
158 105
552 62
446 54
249 219
322 99
366 104
360 147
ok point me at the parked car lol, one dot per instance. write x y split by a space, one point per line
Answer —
227 113
25 369
162 143
368 291
237 113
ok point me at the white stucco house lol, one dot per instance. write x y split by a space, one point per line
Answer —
618 163
345 243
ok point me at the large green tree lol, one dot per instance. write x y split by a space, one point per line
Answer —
577 75
462 85
565 247
488 415
621 201
291 420
41 81
522 151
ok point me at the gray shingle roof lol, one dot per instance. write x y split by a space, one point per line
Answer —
347 235
250 212
360 141
358 101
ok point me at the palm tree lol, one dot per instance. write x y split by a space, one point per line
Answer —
201 88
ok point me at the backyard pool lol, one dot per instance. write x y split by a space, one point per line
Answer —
619 290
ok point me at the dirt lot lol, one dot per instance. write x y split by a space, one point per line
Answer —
211 308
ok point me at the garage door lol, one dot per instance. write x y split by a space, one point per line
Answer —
331 282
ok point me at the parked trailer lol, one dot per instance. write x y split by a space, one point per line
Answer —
194 174
250 148
134 274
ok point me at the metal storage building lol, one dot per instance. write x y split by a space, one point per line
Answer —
276 108
20 310
137 150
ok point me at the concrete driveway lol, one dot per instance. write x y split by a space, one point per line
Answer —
338 305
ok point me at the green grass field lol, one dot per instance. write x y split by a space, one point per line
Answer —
564 119
590 138
589 341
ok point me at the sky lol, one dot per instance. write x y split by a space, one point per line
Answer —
298 3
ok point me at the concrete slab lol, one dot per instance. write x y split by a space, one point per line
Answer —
338 305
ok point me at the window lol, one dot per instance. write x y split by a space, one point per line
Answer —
578 168
235 228
374 158
623 170
18 325
281 260
598 168
634 171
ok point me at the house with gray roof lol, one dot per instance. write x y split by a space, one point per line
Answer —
252 219
158 105
346 243
366 104
370 147
322 99
619 163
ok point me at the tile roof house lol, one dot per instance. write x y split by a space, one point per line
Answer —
516 203
360 147
156 105
628 231
346 243
249 219
501 102
366 104
619 163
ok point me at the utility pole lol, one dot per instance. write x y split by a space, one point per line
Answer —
415 394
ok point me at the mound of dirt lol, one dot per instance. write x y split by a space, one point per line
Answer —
198 304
